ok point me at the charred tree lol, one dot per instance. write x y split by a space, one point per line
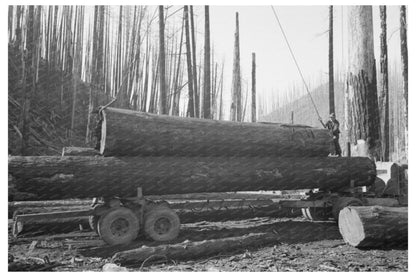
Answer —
361 104
191 100
403 48
207 68
162 64
331 61
194 74
236 108
384 88
253 88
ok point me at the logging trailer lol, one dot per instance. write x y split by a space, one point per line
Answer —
144 154
120 220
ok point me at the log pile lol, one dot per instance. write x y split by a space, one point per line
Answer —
132 133
54 177
374 226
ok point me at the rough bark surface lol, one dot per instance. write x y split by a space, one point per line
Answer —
54 178
194 249
384 87
131 133
374 226
361 105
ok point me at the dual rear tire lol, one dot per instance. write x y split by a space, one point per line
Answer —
122 225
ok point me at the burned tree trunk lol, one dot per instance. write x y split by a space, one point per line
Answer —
207 69
403 50
54 177
132 133
331 61
374 226
384 91
236 109
361 106
253 88
191 105
162 64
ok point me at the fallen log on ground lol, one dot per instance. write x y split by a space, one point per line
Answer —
192 250
79 151
374 226
54 178
132 133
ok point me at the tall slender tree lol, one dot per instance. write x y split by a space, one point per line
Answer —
194 73
384 87
207 68
361 105
191 105
331 61
236 109
162 63
253 88
403 48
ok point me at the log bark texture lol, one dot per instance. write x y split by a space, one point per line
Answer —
181 251
374 226
54 178
79 151
131 133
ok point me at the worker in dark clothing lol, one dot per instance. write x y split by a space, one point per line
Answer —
333 126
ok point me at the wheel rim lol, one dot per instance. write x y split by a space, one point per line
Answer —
119 227
162 225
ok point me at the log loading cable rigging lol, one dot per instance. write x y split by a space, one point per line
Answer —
295 61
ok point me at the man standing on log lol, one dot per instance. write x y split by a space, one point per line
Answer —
333 126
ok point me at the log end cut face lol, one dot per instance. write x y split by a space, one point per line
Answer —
351 226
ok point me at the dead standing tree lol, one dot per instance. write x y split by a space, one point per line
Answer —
162 64
331 61
207 69
236 109
191 105
403 48
384 87
253 88
361 106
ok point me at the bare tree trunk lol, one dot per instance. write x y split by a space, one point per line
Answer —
191 105
162 64
10 23
236 110
194 74
403 48
253 88
27 80
384 91
331 62
207 68
361 114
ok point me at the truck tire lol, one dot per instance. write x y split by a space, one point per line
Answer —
118 226
161 223
343 202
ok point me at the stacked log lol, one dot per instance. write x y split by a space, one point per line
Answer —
132 133
54 178
374 226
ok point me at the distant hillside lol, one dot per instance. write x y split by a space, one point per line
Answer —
304 112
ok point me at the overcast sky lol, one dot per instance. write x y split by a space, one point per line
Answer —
306 29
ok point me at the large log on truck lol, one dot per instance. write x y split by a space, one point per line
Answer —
132 133
374 226
53 177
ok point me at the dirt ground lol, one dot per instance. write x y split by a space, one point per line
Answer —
301 245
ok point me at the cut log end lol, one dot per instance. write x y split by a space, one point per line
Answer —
351 227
